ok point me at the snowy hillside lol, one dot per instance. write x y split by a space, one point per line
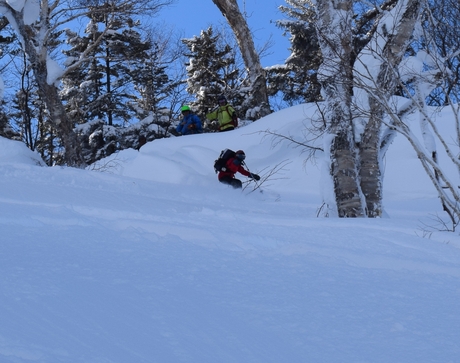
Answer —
147 258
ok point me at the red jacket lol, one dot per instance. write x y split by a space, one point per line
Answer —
231 169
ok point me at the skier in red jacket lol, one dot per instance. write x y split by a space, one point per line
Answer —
234 165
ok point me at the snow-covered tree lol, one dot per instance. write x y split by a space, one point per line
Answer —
103 86
297 78
122 82
37 24
211 71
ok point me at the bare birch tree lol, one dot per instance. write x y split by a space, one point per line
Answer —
355 115
257 79
419 76
372 72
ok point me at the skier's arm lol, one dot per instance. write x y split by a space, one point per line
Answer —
212 115
243 171
231 111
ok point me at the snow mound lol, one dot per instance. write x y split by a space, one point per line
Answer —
16 152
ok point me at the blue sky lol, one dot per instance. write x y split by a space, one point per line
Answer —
190 17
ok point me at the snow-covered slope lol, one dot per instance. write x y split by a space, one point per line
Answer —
147 258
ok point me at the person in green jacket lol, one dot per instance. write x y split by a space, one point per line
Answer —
225 114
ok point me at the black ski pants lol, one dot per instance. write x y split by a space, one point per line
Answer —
235 183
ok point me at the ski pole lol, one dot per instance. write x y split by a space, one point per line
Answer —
255 181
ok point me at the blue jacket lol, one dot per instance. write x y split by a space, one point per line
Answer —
190 124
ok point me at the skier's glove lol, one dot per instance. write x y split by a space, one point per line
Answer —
254 176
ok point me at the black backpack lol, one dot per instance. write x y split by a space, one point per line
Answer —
225 155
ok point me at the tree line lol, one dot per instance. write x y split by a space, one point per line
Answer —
89 78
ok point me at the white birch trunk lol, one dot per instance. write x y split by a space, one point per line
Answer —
376 77
335 76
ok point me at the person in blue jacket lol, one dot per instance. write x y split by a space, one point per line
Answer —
190 123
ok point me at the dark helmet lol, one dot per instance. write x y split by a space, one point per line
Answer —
240 155
221 100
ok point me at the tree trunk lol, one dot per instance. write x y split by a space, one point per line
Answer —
49 94
231 11
335 75
369 171
395 35
345 176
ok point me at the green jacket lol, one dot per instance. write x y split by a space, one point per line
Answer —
224 115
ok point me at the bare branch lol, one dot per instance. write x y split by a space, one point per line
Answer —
268 175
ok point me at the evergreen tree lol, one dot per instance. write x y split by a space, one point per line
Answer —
297 78
103 93
102 87
124 81
152 84
78 84
152 105
211 71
